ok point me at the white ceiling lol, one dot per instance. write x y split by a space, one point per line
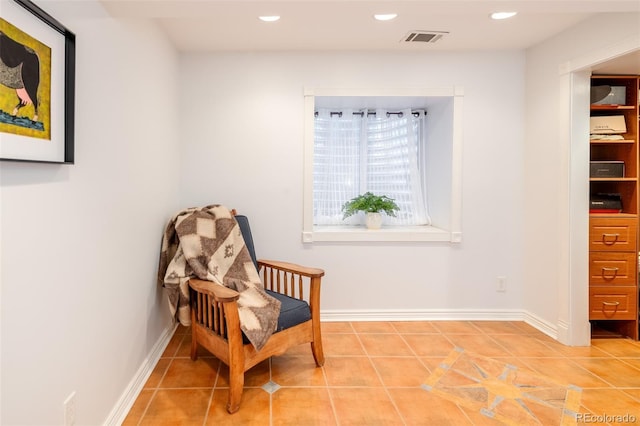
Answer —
330 25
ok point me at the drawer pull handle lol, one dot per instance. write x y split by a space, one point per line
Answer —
610 239
611 303
609 273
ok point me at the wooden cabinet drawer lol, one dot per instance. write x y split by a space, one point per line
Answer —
617 303
612 234
618 268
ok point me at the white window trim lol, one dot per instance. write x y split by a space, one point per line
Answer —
311 233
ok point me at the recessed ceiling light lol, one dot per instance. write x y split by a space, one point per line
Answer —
270 18
503 15
385 16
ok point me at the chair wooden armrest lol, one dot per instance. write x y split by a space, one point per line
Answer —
292 280
219 293
291 267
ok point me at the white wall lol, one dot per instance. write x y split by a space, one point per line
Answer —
556 176
242 139
80 307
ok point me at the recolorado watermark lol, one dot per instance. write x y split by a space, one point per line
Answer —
606 418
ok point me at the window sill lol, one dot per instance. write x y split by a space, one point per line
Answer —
386 233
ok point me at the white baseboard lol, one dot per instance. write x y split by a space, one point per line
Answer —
130 394
572 335
544 326
442 315
422 315
563 332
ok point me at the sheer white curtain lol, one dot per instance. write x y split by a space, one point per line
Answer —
355 153
336 163
393 168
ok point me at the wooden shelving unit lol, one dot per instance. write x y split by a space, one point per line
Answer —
613 237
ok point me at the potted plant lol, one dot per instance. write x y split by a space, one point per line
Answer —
373 206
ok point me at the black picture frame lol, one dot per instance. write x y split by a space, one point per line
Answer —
63 119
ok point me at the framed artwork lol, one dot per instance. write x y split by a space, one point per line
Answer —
37 85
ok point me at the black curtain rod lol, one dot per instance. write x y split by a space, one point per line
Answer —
361 113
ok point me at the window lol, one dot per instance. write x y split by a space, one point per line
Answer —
379 151
413 158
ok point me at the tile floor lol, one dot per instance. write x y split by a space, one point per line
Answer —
394 373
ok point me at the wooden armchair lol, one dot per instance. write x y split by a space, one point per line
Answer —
215 323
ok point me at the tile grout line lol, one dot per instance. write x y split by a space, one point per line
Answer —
624 361
416 356
157 388
333 405
144 412
384 386
213 390
501 346
611 385
270 393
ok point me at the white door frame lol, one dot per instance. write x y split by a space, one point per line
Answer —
573 324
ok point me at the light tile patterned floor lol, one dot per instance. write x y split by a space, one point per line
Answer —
504 392
406 373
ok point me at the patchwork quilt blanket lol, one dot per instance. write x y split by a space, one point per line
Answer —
206 243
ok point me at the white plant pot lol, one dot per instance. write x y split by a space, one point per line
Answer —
373 220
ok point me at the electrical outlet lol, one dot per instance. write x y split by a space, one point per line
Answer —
501 284
70 409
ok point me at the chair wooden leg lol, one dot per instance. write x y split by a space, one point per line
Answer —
194 324
236 386
318 353
194 347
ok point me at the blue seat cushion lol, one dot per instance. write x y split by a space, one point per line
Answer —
292 312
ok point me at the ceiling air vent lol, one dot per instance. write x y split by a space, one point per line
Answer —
424 36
